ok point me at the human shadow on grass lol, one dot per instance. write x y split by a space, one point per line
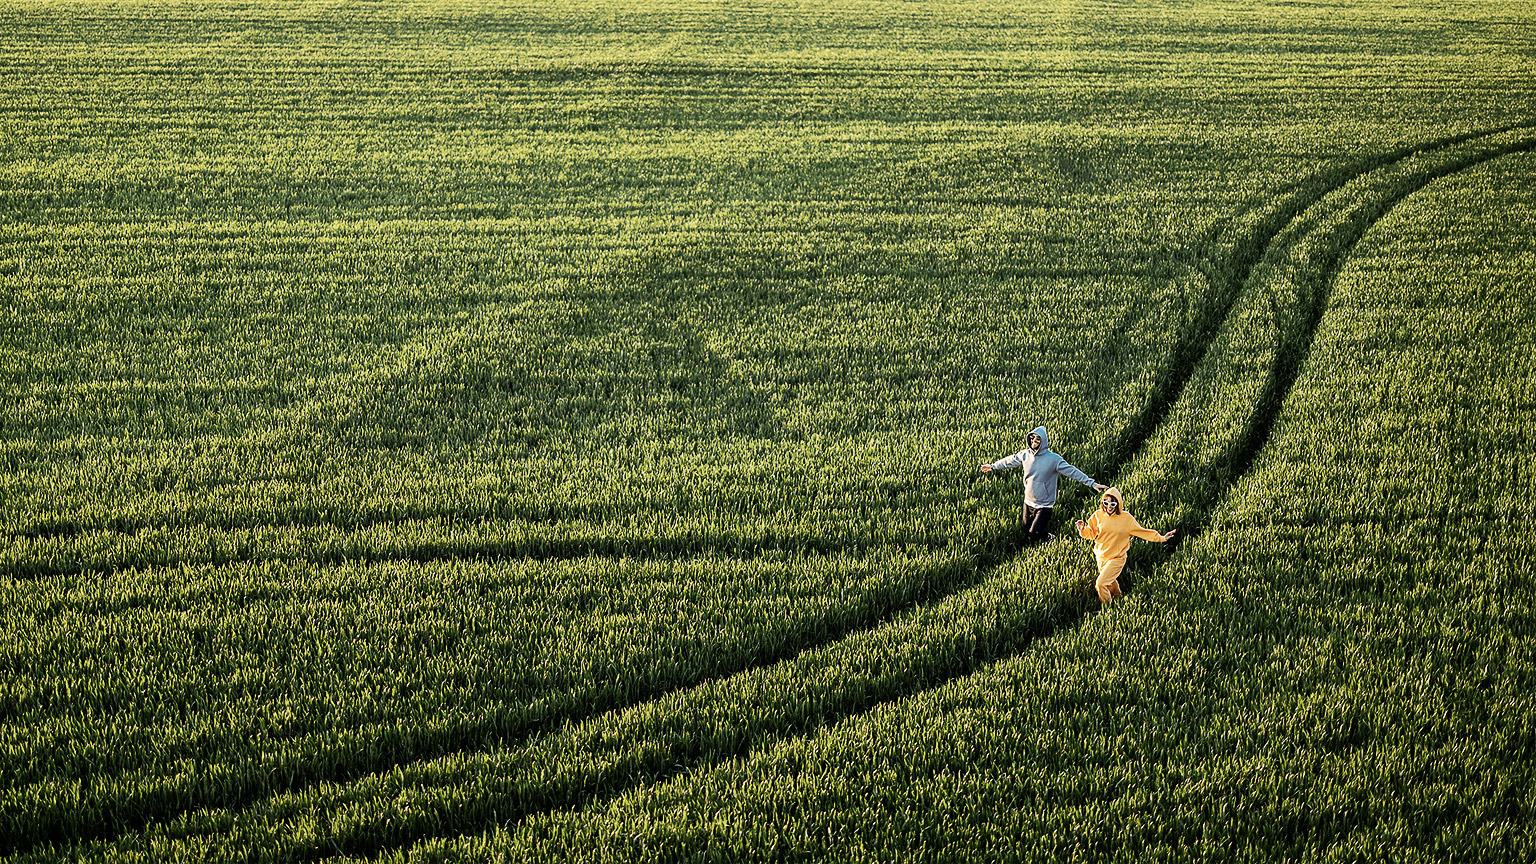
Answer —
1230 272
1203 488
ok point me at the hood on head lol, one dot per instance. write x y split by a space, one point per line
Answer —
1114 493
1045 441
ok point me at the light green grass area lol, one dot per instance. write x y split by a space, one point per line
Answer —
549 431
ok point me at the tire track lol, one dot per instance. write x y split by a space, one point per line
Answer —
1233 251
1307 261
1226 256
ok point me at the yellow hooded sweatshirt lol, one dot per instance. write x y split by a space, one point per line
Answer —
1111 536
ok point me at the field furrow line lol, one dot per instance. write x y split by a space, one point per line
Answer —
362 548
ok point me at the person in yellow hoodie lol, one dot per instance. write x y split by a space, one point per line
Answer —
1111 529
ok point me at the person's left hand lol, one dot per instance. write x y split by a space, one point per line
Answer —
1099 487
1169 535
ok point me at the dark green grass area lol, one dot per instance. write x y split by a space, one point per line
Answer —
419 419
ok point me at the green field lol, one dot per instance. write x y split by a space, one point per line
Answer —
549 430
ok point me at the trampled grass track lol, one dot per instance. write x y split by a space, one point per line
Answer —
1312 252
1227 256
650 744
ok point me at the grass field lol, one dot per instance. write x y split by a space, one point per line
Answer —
549 430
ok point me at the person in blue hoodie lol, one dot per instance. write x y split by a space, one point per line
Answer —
1042 468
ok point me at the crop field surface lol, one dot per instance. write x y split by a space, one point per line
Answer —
549 431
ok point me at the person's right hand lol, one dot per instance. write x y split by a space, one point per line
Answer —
1081 525
986 469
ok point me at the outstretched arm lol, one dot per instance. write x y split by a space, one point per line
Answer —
1149 534
1067 470
1013 461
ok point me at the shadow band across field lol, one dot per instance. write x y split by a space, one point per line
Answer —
1231 255
1212 480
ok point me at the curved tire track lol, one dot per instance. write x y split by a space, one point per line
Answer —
1322 252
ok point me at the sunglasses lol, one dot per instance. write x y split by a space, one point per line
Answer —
1110 504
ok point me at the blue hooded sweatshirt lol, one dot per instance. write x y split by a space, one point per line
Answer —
1041 471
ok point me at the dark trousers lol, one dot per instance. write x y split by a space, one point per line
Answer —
1037 521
